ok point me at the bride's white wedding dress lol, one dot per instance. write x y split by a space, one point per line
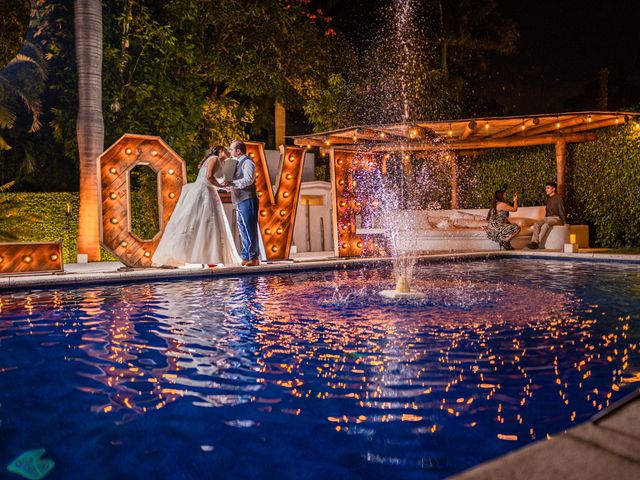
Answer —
198 230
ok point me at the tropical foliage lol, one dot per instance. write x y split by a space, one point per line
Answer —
21 86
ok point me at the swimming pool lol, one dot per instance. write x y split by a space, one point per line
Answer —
313 375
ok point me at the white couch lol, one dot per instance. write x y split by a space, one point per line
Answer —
462 230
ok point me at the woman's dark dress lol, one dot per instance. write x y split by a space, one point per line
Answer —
499 227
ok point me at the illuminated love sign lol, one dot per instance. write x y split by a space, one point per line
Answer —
115 166
276 214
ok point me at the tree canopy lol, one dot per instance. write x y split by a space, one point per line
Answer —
204 72
14 21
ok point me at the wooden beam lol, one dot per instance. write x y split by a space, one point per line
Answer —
487 143
557 125
516 129
619 120
469 128
312 142
327 141
381 135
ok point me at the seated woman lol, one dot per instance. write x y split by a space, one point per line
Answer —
499 228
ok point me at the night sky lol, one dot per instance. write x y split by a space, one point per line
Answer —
563 45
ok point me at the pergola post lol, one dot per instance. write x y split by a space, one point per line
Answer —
454 182
561 161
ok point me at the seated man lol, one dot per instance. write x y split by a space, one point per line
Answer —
554 215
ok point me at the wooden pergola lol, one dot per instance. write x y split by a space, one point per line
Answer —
459 136
472 134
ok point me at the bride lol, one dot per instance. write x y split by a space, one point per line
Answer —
198 230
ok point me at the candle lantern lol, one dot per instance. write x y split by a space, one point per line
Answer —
572 246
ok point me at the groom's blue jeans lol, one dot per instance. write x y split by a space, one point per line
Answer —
248 228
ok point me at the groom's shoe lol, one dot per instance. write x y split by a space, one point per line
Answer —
253 263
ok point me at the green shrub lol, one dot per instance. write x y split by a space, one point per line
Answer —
522 170
45 219
604 179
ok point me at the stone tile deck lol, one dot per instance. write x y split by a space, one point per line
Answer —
608 448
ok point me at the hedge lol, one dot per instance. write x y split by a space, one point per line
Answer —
51 222
521 170
604 179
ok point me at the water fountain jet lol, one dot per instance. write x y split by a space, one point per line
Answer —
403 269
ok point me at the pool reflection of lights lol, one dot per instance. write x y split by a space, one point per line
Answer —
264 360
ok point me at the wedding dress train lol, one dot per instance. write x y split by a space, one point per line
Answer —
198 230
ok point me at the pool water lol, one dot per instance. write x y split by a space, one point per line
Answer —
313 375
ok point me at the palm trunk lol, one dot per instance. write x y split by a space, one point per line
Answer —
90 125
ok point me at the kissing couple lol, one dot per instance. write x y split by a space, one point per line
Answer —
198 231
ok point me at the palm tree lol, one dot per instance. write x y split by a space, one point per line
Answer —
8 91
14 21
90 124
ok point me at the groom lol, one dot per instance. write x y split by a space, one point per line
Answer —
243 195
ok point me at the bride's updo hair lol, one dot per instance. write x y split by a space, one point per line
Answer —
211 152
214 151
